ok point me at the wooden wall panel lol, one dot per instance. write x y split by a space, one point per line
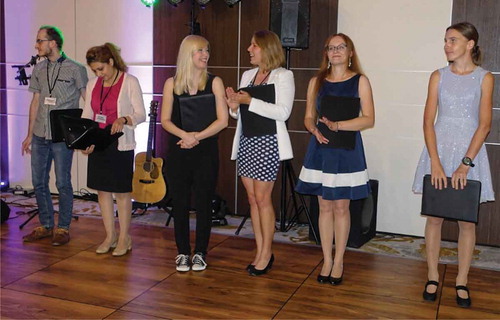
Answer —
220 24
484 15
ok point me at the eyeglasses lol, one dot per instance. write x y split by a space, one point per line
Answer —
340 48
41 40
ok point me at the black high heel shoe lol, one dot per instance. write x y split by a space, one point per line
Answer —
336 281
250 266
323 279
427 295
256 272
463 302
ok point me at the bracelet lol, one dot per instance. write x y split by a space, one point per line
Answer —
337 126
126 120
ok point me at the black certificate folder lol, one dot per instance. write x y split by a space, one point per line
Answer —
449 203
336 108
197 112
55 122
80 133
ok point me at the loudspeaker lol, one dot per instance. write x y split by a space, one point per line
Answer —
4 212
290 21
363 218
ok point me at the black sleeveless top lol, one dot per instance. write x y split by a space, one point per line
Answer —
176 111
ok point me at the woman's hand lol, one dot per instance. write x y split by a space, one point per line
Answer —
459 177
438 177
118 125
188 140
89 150
321 139
332 125
231 99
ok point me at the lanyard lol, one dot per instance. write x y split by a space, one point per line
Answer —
101 100
55 80
263 80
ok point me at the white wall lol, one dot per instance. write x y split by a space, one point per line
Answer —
85 23
400 43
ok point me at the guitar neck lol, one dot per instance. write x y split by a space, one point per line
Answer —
152 124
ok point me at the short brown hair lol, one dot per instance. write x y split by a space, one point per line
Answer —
270 44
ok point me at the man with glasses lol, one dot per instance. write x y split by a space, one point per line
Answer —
57 83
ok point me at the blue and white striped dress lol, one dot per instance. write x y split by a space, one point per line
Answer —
335 173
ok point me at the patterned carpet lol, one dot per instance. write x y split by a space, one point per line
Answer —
394 245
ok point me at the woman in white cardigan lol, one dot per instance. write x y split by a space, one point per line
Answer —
114 100
261 140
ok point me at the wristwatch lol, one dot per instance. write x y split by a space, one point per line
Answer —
467 161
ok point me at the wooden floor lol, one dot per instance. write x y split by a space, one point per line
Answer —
72 282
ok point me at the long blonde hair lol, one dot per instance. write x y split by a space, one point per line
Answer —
185 67
354 66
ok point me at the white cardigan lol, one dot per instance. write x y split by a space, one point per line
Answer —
279 111
130 103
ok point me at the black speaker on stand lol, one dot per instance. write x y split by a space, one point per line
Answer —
290 21
363 218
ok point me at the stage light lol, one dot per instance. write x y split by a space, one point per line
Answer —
174 2
231 3
148 3
203 2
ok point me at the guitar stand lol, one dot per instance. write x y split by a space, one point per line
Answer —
33 214
163 204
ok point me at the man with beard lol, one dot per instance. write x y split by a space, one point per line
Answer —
57 83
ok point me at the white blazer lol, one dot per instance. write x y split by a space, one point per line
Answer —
279 111
130 103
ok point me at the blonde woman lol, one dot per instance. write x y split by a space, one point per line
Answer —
193 160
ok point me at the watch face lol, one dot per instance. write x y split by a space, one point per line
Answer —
467 161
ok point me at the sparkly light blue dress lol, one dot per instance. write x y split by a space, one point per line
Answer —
457 121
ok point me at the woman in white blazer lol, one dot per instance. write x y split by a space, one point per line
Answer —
261 140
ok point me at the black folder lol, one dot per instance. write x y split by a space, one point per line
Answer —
55 123
197 112
336 108
449 203
254 125
80 133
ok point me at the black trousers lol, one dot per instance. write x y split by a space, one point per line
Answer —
192 174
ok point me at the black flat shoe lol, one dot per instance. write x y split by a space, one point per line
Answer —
336 281
463 302
256 272
323 279
427 295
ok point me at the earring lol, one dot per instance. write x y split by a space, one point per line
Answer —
329 64
350 62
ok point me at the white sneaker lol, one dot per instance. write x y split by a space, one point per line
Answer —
198 261
182 262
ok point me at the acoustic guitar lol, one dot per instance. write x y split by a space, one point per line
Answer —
148 185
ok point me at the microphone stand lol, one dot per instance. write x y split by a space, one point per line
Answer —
22 77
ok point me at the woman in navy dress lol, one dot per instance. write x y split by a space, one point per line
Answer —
336 175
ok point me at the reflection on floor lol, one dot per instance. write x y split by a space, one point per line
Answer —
72 281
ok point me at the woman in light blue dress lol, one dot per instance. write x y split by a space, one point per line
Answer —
462 93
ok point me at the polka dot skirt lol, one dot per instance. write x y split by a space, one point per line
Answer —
258 157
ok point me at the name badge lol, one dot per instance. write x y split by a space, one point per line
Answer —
50 101
100 118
